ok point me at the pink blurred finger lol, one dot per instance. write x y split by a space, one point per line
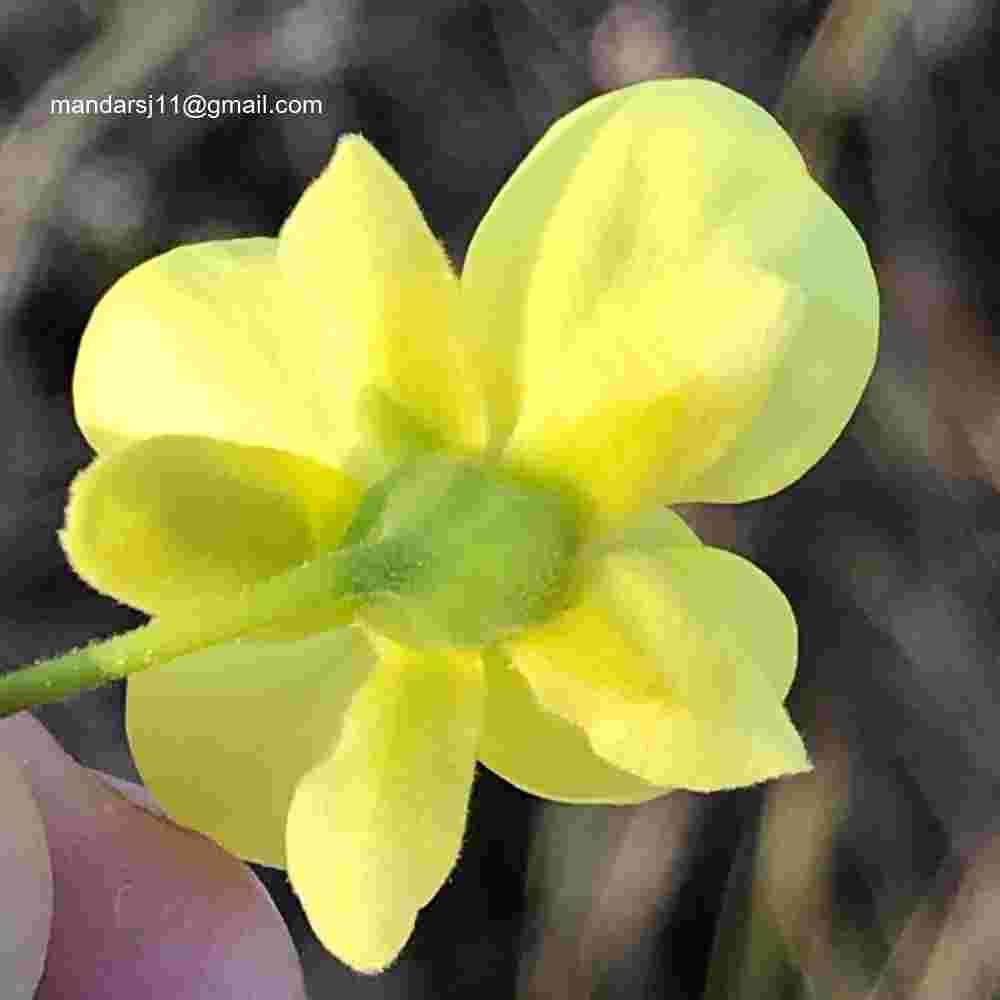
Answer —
143 907
26 880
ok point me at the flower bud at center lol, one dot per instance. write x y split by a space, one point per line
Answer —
491 551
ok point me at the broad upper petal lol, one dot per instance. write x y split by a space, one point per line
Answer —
375 827
172 519
221 737
675 666
365 266
627 329
805 239
203 340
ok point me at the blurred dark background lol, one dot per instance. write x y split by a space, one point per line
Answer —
876 876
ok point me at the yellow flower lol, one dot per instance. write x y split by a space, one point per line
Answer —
659 306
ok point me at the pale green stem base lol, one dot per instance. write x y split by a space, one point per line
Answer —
335 581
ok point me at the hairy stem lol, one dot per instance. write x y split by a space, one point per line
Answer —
337 581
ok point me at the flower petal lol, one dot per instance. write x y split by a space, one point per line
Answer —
538 750
364 263
375 828
25 873
173 519
675 667
203 732
543 754
653 530
659 408
200 341
804 238
503 251
602 295
143 908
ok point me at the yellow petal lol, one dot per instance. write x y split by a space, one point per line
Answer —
662 408
173 519
675 666
375 828
712 598
590 278
367 266
653 530
503 251
541 752
197 341
804 238
221 737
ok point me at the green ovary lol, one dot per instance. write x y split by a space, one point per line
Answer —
489 552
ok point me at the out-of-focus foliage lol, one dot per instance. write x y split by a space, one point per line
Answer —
874 876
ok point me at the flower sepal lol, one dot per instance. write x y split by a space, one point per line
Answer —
490 551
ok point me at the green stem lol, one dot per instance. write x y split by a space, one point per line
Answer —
338 581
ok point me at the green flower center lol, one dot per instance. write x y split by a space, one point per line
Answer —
463 552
